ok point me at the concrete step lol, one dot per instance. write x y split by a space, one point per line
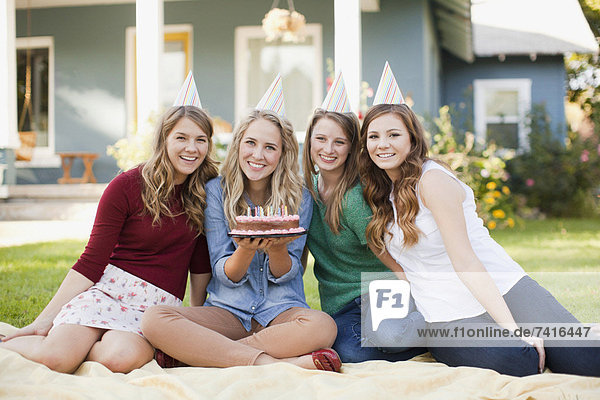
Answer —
51 202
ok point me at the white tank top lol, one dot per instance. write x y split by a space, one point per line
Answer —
438 292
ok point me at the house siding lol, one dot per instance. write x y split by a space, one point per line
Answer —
547 75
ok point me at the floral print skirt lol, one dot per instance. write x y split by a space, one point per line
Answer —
117 302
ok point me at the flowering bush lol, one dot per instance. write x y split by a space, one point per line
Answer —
135 148
559 177
482 170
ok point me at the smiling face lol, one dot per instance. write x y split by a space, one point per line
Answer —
329 146
260 151
388 143
187 145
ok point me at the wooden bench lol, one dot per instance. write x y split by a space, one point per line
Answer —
67 159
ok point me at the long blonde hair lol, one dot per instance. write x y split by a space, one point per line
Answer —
286 184
377 185
158 172
350 126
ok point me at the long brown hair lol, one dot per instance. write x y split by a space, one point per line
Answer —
334 207
286 183
158 173
377 185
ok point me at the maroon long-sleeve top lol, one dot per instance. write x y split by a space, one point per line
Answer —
123 235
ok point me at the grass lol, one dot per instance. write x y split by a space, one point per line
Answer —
562 254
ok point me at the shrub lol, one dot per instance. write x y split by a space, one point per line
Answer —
482 170
560 177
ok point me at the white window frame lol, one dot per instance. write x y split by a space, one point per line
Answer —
43 157
130 79
243 34
480 89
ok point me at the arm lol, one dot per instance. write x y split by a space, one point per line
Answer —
444 197
73 284
198 283
387 260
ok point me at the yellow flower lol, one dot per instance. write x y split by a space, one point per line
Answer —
498 214
491 186
505 190
492 224
510 222
489 200
496 194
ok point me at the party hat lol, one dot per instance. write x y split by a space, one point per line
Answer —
337 97
388 91
188 94
273 98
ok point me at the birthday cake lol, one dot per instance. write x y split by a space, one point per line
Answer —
267 223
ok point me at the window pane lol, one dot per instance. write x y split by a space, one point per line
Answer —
504 135
36 117
502 103
173 71
295 62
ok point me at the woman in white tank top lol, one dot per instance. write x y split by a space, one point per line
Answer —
426 218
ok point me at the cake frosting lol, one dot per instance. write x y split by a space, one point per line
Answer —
265 225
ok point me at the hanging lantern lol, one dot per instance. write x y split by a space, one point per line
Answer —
287 25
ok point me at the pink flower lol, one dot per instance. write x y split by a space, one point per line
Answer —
529 182
585 156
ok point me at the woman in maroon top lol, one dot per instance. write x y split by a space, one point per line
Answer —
146 237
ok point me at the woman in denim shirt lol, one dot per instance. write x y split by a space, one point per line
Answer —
256 312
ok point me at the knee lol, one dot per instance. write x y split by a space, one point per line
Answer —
152 321
121 359
321 327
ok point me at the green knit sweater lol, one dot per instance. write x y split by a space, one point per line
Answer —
340 259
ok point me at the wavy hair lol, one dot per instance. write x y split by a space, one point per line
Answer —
158 172
349 124
377 185
286 184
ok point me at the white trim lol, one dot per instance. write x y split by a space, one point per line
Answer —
8 77
43 157
245 33
130 63
523 88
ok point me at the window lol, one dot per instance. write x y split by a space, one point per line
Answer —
38 117
257 62
501 106
175 64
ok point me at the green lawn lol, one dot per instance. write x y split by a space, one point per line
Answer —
563 255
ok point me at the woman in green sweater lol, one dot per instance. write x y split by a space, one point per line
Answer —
336 237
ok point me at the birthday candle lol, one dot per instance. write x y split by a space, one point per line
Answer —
248 210
286 211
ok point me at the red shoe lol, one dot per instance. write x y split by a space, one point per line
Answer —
327 360
166 361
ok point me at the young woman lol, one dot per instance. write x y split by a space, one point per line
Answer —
337 241
256 311
426 218
146 237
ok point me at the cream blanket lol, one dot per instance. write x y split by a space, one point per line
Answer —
420 378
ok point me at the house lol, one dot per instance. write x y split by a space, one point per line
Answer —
505 54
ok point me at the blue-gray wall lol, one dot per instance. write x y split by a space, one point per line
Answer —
89 49
547 74
403 34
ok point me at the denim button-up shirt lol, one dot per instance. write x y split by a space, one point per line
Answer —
258 295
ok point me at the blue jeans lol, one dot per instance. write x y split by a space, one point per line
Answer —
350 346
528 303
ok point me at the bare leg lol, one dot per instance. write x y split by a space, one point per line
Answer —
63 350
121 351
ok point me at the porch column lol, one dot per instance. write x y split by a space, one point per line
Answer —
9 139
348 53
149 48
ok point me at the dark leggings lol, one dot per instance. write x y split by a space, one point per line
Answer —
528 303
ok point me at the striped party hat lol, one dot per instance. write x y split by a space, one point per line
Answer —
388 91
337 97
273 98
188 94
